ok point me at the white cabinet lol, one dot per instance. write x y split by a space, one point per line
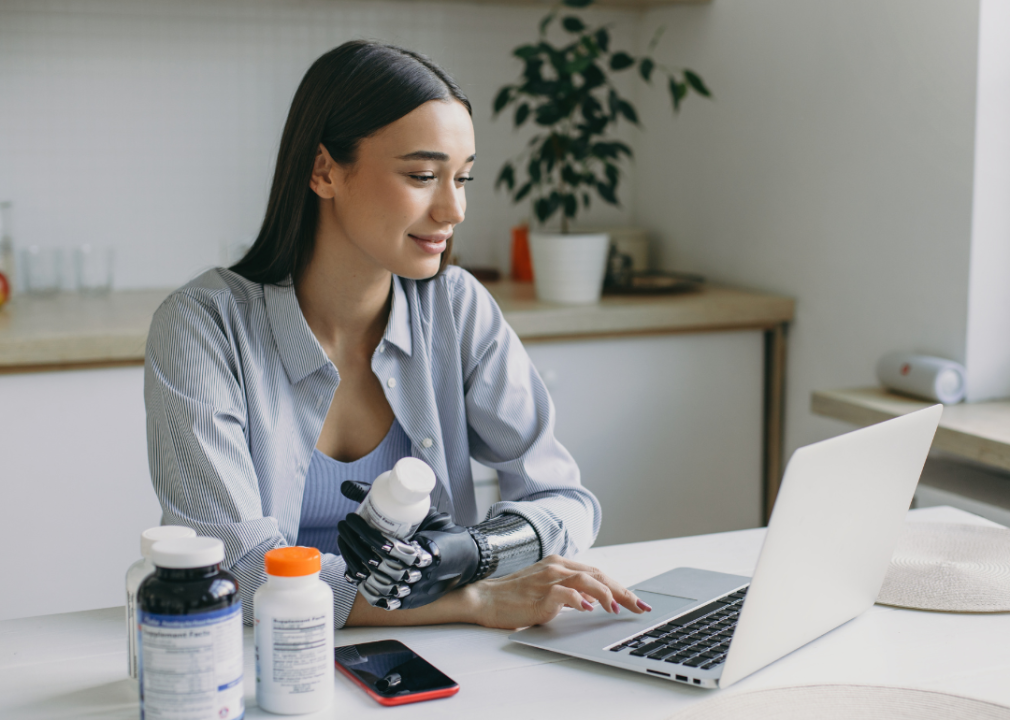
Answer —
76 488
667 429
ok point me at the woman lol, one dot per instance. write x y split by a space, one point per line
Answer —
341 343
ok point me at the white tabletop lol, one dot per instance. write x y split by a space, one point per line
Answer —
74 665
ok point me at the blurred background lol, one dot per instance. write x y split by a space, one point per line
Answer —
854 157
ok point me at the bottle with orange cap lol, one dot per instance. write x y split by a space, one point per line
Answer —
293 630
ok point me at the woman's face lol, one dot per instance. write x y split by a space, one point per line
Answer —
398 203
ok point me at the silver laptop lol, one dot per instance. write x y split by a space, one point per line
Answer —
836 521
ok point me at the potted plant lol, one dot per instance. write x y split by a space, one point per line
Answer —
566 90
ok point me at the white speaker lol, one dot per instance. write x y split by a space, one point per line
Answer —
922 376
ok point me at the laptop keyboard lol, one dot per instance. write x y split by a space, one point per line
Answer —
699 639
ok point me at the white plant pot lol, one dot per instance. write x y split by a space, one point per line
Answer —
569 268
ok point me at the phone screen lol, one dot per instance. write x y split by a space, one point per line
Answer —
392 673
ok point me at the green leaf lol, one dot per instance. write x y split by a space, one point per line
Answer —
546 206
532 70
602 39
614 103
557 57
613 174
571 206
593 77
696 83
506 176
522 192
547 21
533 169
542 209
522 112
677 92
621 60
604 150
580 63
502 98
570 177
655 37
628 111
573 24
548 114
577 3
526 52
585 199
607 193
645 67
620 147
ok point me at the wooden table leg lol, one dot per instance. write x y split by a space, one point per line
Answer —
774 416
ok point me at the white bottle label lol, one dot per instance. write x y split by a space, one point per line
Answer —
383 524
301 657
191 665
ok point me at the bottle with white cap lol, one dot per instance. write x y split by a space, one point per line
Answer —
293 631
190 634
399 499
137 573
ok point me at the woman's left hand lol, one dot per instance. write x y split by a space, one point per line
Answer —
538 593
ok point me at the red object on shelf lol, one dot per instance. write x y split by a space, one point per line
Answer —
522 264
5 289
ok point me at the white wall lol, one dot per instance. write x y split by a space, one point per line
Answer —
153 125
833 165
988 351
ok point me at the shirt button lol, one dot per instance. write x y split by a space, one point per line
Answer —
426 443
382 347
391 382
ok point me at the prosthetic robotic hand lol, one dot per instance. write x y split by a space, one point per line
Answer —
441 555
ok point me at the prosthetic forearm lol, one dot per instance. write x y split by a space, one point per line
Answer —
507 543
440 557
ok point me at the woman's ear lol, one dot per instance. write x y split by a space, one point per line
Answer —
325 174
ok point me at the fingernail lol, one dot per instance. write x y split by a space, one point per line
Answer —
615 607
644 605
587 605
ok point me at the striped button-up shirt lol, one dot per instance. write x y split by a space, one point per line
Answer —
237 388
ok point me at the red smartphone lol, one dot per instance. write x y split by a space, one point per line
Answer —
392 673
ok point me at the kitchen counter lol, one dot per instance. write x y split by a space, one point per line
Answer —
73 331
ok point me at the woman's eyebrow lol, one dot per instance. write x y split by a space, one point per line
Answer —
431 155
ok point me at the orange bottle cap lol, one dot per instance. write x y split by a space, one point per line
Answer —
293 561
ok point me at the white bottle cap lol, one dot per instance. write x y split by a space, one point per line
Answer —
192 552
411 480
163 532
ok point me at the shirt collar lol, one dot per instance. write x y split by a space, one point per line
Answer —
299 349
398 327
300 352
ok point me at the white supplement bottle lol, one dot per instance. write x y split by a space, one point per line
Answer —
136 574
293 629
399 498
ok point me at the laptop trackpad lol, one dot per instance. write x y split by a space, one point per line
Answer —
667 600
581 632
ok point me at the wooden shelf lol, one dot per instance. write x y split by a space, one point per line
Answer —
711 309
975 431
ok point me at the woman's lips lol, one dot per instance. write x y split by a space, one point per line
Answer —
432 244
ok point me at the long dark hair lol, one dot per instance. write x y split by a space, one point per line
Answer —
348 94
